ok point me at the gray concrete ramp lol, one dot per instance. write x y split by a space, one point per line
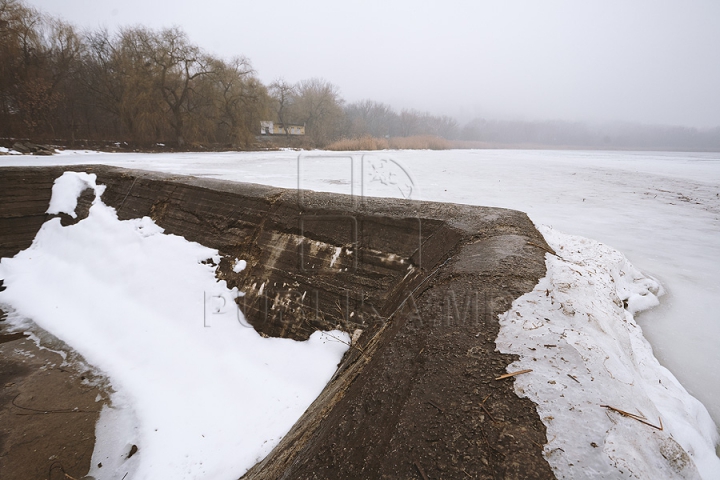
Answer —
417 285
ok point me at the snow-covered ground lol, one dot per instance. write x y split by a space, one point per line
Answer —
199 392
589 360
7 151
662 210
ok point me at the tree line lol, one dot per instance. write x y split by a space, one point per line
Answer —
146 86
137 84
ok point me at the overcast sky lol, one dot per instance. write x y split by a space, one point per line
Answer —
652 61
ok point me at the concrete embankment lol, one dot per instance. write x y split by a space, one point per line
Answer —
417 285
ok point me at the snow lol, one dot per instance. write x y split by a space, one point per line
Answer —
661 209
9 151
75 153
67 189
336 255
197 392
239 265
577 334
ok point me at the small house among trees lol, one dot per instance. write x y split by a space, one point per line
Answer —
273 128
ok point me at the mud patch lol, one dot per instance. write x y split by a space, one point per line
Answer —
48 411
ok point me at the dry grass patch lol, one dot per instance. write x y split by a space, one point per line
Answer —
417 142
362 143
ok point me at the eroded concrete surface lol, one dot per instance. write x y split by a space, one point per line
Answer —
48 411
419 285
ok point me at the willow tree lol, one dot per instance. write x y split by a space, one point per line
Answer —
178 65
240 100
37 53
318 105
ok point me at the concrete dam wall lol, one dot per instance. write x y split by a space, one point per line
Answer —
417 285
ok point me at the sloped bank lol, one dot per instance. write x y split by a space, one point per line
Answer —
419 287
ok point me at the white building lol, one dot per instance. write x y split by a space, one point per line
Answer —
272 128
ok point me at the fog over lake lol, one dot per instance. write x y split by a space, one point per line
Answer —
647 61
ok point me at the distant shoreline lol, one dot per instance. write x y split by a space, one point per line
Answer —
9 146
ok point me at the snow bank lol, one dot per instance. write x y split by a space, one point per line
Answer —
577 333
68 187
9 151
79 152
199 394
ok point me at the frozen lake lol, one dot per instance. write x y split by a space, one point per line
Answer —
661 209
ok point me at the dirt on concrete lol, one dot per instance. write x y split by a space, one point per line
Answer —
418 285
48 411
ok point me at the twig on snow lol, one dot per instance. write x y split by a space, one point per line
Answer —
508 375
639 418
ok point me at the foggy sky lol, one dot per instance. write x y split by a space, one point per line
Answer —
651 61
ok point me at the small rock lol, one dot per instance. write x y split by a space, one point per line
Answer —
133 451
33 148
20 147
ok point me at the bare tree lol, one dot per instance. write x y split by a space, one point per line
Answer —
368 117
319 107
127 82
409 123
178 64
284 96
240 98
26 91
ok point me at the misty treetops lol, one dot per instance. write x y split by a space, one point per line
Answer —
146 86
